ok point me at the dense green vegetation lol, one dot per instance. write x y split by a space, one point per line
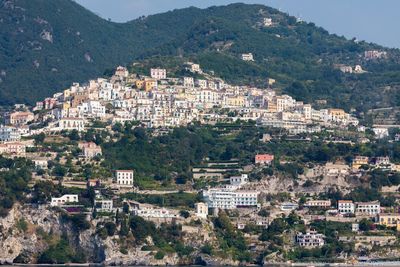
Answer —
82 46
14 179
231 240
168 159
61 253
300 56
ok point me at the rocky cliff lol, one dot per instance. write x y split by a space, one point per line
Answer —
29 231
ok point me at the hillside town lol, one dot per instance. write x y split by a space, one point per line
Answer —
158 101
260 209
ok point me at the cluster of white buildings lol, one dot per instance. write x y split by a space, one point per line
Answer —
375 54
161 101
363 208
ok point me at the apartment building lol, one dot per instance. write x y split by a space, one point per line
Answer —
358 161
318 203
158 74
92 109
248 57
90 149
103 205
9 134
264 159
389 219
188 81
20 118
346 207
124 177
368 208
239 180
201 210
63 200
310 239
227 198
13 148
70 124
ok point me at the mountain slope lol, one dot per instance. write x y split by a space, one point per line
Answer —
46 45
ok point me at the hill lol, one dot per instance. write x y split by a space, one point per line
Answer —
47 45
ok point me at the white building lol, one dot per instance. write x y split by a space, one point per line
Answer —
201 83
368 208
318 203
380 133
158 74
358 69
267 22
247 57
195 68
208 96
346 207
201 210
124 177
148 211
239 180
379 161
71 124
92 109
287 206
90 149
310 240
374 54
121 72
40 163
62 201
229 198
9 134
188 81
103 205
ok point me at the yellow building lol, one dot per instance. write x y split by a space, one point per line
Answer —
390 220
336 113
358 161
67 93
66 105
271 81
272 106
139 84
237 101
150 85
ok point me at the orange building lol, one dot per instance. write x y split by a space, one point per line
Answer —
264 159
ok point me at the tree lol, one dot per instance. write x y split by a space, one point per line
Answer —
264 213
141 228
74 135
39 139
365 225
111 228
59 171
184 213
124 228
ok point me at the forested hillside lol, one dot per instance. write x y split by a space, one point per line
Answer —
47 45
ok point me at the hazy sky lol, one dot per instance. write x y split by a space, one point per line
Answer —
371 20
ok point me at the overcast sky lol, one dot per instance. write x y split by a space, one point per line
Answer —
371 20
